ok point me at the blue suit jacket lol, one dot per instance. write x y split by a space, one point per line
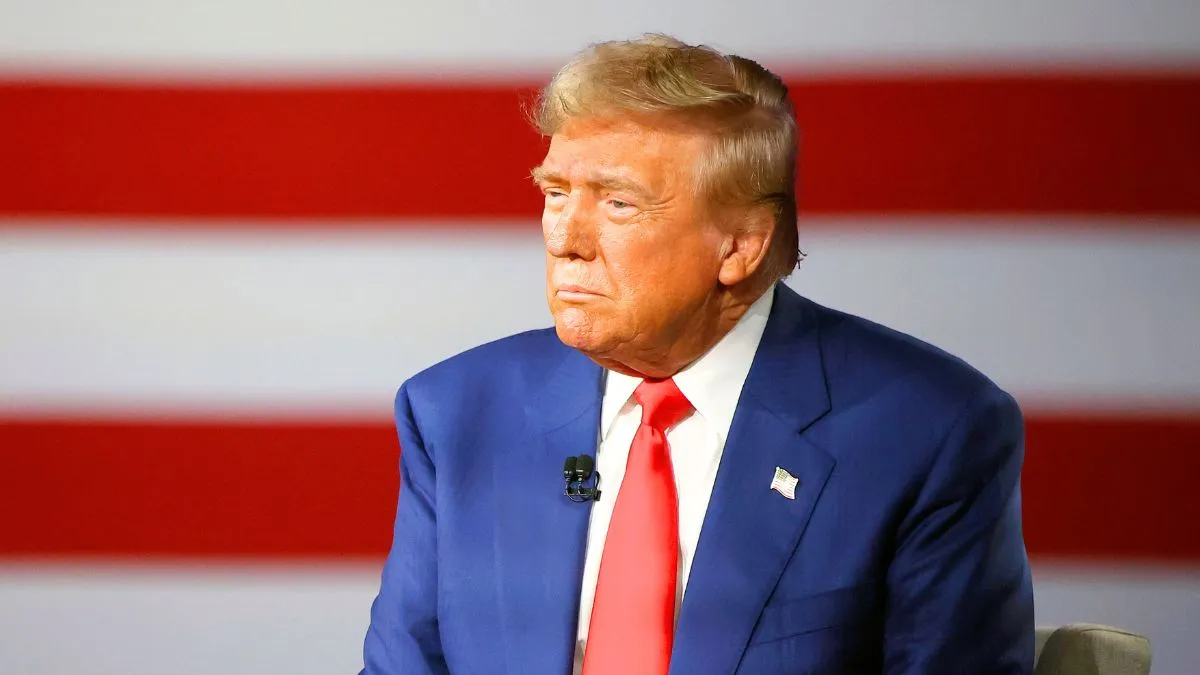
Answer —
901 552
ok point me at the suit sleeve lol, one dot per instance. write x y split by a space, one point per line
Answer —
403 637
960 598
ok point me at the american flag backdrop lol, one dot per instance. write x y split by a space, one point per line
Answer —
230 230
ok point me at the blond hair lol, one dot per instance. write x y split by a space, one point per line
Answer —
752 160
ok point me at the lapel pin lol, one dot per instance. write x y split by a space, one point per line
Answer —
784 483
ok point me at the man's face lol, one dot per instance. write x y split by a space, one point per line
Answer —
632 254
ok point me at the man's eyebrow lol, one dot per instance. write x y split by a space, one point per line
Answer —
543 175
618 183
612 182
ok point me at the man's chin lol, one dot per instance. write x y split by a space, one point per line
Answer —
578 333
573 338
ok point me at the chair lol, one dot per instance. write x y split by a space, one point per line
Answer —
1091 649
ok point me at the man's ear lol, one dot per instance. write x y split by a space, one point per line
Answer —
747 247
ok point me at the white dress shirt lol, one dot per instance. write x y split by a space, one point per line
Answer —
713 384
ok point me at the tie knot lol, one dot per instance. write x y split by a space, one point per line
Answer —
663 405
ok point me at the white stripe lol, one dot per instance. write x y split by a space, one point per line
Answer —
331 319
470 36
190 620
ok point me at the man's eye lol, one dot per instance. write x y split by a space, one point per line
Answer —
618 204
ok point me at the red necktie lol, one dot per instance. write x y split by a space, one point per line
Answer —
633 615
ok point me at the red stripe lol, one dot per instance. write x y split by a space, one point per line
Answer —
1113 487
1109 488
1124 143
195 489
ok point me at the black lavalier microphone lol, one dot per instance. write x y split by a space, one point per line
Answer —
578 473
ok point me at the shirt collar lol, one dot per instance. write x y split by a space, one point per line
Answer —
712 383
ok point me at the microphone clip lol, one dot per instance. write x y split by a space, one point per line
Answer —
583 481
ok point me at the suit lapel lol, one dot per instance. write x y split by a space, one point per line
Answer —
541 535
751 531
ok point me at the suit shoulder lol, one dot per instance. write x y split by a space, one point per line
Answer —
922 395
507 361
858 350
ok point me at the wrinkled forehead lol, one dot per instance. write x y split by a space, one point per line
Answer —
624 145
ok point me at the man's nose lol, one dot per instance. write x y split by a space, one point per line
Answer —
571 232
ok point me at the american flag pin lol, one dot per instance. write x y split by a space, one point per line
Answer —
784 483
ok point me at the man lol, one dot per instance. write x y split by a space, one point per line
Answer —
785 488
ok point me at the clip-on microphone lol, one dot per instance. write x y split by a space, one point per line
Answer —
578 471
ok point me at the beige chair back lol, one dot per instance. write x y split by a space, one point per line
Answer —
1091 649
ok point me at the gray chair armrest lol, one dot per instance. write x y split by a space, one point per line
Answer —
1091 649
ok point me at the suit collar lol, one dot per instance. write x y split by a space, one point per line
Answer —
750 532
788 374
